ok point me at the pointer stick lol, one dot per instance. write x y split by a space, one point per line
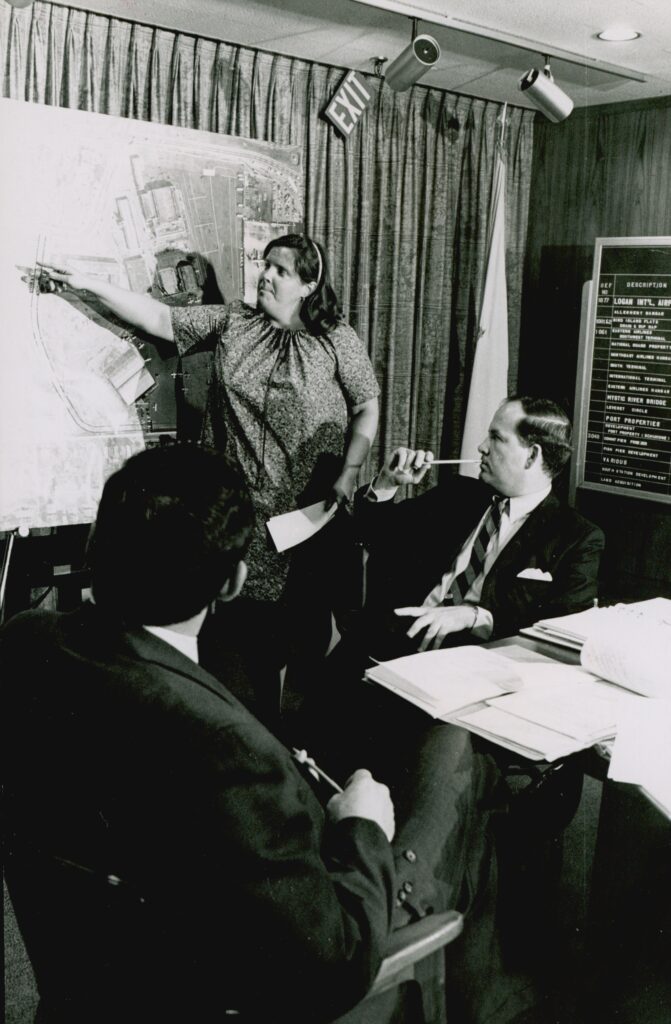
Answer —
302 757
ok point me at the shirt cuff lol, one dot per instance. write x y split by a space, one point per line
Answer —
483 627
380 493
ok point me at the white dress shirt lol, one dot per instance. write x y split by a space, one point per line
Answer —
186 644
518 511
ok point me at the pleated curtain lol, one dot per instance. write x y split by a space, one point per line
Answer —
401 205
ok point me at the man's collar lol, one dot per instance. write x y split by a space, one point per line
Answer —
187 645
524 504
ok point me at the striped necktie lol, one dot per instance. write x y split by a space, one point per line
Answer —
490 527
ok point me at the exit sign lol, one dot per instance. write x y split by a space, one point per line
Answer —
348 104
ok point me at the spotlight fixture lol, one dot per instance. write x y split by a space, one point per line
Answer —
545 94
618 34
412 63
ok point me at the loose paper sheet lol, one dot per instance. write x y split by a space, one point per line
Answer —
293 528
587 710
642 750
498 724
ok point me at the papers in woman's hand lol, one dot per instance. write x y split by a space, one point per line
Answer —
293 528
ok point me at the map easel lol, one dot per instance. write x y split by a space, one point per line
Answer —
21 531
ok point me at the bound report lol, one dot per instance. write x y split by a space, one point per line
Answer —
530 704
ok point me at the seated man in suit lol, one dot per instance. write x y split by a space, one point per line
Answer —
473 560
166 858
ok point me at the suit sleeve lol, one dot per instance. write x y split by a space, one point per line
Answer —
308 902
573 563
386 526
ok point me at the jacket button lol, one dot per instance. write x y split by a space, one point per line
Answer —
407 886
410 856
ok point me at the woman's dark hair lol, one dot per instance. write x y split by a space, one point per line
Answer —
320 311
172 525
545 423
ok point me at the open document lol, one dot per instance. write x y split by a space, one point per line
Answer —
539 708
440 682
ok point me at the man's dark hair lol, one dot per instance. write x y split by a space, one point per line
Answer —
320 311
172 525
545 423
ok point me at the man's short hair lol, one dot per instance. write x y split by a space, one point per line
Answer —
545 423
172 525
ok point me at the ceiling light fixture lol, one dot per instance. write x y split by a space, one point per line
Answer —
413 62
618 34
545 94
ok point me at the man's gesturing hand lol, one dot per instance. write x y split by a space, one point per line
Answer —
363 797
438 623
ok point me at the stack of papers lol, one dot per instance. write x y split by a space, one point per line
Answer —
441 682
572 630
559 710
539 709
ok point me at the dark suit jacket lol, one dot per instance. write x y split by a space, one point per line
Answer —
125 758
413 542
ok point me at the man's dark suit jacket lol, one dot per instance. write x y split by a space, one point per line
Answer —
413 542
125 758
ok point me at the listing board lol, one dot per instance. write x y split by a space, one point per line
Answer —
623 398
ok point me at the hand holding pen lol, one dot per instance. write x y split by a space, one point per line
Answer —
362 796
409 466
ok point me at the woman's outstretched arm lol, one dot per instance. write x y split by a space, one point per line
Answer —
142 311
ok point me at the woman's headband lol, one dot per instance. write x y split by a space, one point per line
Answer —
320 265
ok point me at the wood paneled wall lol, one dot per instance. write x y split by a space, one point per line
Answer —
604 172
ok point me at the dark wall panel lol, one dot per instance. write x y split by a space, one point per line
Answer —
604 172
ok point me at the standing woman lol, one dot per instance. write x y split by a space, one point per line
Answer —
293 400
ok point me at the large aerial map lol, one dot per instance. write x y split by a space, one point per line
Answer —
148 207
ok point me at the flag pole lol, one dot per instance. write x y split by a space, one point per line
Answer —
489 375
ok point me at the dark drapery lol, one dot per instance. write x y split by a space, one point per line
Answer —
401 206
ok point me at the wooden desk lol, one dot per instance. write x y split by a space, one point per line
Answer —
625 974
552 651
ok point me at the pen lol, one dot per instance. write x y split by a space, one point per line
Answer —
302 757
438 462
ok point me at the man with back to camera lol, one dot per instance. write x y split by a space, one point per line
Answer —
474 560
166 859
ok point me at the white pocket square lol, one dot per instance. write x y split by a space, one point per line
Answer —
535 574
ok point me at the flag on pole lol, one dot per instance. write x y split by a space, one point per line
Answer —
489 380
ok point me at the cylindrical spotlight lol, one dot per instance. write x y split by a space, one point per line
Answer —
412 63
546 95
